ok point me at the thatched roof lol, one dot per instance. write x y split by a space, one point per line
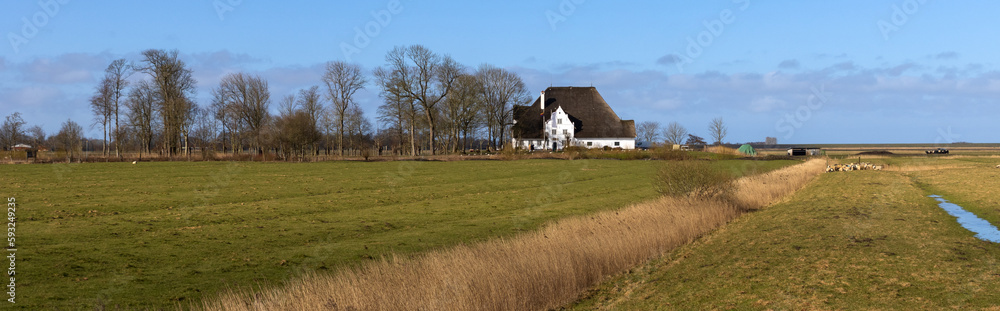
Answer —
586 108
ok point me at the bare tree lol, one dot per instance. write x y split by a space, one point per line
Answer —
648 131
116 78
674 133
295 132
423 76
101 106
460 108
311 102
288 105
36 135
398 108
502 90
142 114
400 112
225 112
69 138
358 127
175 86
12 130
205 130
342 81
718 130
248 99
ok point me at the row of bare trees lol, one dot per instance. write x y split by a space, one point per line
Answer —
427 92
430 103
675 133
161 115
160 104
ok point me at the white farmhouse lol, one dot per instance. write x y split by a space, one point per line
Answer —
570 116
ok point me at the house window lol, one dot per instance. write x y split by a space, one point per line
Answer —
617 144
553 132
590 143
565 132
558 121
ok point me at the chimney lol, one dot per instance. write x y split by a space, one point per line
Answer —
545 132
543 102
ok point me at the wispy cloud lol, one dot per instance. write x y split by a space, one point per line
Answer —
946 55
899 70
64 69
789 64
767 103
669 60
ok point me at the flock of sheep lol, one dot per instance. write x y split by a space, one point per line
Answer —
854 167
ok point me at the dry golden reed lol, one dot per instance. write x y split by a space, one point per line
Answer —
535 271
723 150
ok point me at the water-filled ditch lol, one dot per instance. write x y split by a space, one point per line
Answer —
984 230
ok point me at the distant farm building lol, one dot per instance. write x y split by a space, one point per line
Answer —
571 116
804 151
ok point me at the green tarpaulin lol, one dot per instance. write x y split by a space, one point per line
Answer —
747 150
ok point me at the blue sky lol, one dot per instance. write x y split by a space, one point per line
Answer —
905 71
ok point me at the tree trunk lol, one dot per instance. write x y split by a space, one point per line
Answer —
413 140
430 123
341 143
116 136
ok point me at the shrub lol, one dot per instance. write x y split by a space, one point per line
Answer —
695 178
510 154
576 152
670 154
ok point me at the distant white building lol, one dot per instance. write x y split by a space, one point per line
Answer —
571 116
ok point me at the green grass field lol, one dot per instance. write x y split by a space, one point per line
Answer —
154 234
850 240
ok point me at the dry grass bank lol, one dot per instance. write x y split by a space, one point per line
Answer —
540 270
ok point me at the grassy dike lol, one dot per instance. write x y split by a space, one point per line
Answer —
851 240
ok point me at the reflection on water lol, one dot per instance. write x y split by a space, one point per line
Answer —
983 229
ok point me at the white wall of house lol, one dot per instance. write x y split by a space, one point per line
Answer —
538 144
528 144
617 142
